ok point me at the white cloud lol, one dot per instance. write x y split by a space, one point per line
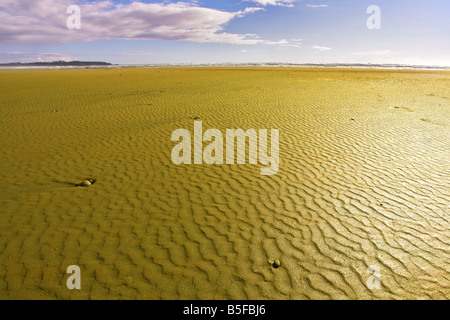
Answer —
284 3
45 21
374 53
317 5
23 56
284 43
136 53
44 57
321 48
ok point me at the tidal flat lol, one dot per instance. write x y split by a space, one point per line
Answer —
363 181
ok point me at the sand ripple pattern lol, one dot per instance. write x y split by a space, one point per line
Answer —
364 180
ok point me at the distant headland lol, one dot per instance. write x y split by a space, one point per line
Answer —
59 63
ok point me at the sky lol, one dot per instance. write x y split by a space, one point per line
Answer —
220 31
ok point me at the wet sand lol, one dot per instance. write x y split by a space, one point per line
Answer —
363 181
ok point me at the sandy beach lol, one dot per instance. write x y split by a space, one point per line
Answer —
363 180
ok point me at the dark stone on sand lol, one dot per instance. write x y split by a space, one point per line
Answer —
276 264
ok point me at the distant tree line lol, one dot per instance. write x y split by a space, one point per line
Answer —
59 63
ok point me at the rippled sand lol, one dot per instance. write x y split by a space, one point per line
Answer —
363 181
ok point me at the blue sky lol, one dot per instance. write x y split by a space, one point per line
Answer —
212 31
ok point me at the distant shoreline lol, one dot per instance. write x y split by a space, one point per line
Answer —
105 65
55 64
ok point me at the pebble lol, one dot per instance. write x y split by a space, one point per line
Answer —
86 183
275 263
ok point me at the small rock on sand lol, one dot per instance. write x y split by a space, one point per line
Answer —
86 183
275 263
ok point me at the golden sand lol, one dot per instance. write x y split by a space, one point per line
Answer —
363 181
